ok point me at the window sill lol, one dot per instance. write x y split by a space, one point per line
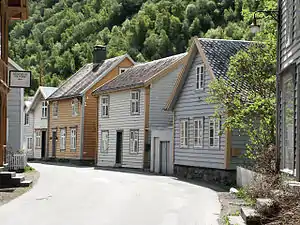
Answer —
133 153
135 114
44 118
72 150
198 147
62 150
102 116
54 117
184 147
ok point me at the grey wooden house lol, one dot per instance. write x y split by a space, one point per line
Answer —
288 86
199 150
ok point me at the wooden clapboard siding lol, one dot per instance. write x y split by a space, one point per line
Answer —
90 112
120 119
64 120
288 69
192 104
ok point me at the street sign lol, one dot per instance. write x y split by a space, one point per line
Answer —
19 79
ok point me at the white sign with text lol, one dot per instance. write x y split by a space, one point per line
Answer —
19 79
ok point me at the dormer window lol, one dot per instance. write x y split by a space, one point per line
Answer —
75 107
122 70
44 109
200 77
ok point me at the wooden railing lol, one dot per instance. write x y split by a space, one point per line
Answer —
17 161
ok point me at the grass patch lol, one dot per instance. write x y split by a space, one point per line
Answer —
28 169
243 194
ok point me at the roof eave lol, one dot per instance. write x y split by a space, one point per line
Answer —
64 97
140 85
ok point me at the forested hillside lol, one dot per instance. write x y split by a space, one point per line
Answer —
59 36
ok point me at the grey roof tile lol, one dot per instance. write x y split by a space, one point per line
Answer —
74 85
139 74
219 51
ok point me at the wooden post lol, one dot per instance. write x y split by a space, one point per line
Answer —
4 57
298 125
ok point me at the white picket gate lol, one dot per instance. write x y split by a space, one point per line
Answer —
17 161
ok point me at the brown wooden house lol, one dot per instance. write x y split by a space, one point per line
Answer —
73 110
9 10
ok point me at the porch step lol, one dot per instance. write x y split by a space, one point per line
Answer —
236 220
250 216
26 183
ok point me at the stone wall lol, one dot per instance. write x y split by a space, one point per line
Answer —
224 177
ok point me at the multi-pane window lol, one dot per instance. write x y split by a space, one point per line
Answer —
74 107
134 141
198 132
135 102
26 119
55 109
73 139
62 139
200 77
214 129
44 109
38 139
29 143
183 133
104 141
104 106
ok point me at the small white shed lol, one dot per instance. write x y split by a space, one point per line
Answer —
162 151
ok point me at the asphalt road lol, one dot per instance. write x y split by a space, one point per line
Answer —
84 196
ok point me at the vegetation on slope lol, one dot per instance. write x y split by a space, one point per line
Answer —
59 36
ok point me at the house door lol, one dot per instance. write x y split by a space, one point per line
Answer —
54 135
43 144
119 147
164 155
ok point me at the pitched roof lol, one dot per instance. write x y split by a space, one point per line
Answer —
216 54
139 74
45 92
77 84
219 51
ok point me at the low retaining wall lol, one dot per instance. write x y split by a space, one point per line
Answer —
225 177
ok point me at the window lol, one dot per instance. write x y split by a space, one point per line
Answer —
73 139
26 119
134 141
29 143
184 133
104 141
62 139
198 132
135 102
104 106
38 139
122 70
44 109
74 107
214 129
200 77
55 109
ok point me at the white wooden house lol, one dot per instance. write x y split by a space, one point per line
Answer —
38 114
130 106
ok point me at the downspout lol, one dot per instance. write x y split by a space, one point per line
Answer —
278 80
82 127
173 139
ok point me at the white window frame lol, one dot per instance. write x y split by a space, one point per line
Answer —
104 142
44 109
26 119
38 138
214 124
104 106
75 106
200 74
55 109
62 140
134 141
29 143
184 133
73 139
198 132
122 70
135 102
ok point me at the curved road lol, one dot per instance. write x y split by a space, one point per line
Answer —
84 196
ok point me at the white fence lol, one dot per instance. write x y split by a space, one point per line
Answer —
17 161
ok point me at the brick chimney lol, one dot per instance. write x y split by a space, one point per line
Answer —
99 54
